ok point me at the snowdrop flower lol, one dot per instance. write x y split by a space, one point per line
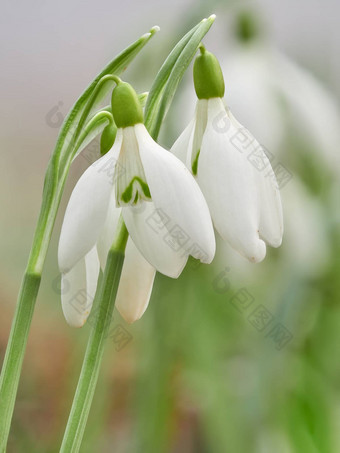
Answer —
231 168
163 208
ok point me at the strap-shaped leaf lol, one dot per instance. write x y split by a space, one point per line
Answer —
96 125
142 99
91 130
170 74
95 92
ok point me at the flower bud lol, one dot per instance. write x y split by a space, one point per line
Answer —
208 77
126 108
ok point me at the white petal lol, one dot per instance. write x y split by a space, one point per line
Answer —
135 284
183 145
269 199
313 108
145 225
79 288
175 192
201 124
188 144
129 185
228 181
87 209
107 235
271 218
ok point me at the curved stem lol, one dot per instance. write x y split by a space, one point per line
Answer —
106 295
65 149
15 351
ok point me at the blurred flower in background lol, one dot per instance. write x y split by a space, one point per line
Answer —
231 357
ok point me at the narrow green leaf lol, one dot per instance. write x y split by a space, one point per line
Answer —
63 153
162 78
82 109
53 188
94 127
170 74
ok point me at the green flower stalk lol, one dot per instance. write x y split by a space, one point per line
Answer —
76 132
138 179
139 187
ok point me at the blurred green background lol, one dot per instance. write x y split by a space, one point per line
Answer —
231 357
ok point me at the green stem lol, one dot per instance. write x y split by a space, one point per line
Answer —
15 351
94 352
57 171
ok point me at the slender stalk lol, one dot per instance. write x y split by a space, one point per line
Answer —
15 352
11 369
68 143
106 296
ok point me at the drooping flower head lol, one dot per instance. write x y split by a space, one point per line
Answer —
162 206
231 168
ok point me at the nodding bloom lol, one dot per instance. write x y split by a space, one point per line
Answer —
162 206
231 168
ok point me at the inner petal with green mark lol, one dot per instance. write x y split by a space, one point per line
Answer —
130 180
200 126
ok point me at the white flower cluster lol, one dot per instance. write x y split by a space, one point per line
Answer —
204 181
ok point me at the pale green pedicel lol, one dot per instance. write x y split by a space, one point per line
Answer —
106 295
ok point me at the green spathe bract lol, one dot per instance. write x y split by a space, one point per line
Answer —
169 76
208 77
126 108
107 138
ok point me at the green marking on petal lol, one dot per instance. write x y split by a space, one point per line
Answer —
137 189
194 165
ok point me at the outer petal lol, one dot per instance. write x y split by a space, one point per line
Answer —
228 181
146 226
313 108
107 235
135 284
87 209
176 194
182 147
271 218
79 288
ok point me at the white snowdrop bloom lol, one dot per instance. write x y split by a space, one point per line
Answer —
231 168
163 208
306 249
264 83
